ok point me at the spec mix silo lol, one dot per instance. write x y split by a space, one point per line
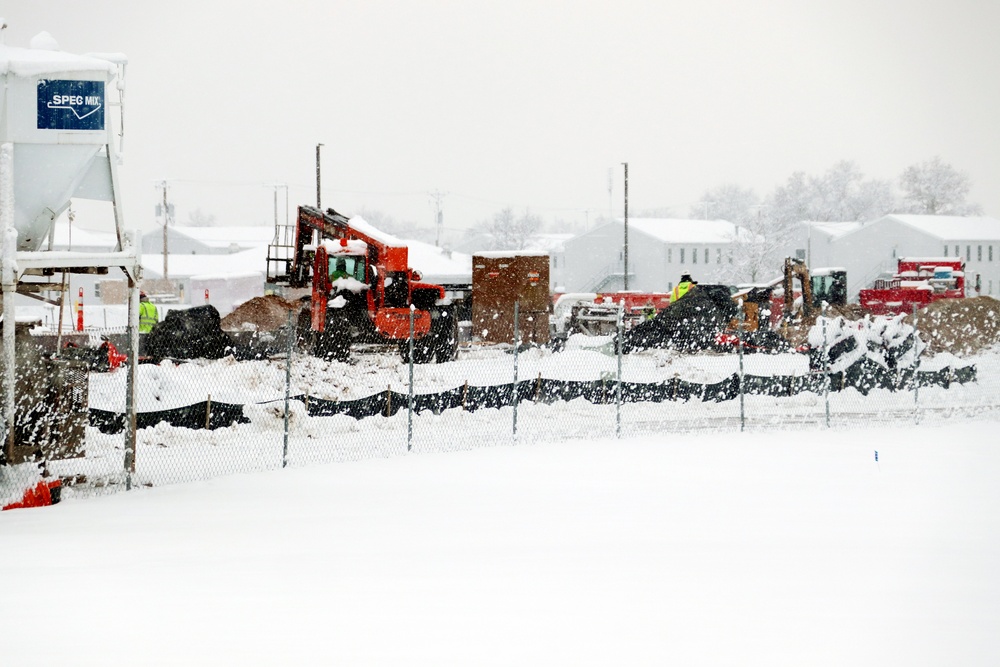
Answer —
56 144
54 110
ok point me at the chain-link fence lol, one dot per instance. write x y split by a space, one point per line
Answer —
199 419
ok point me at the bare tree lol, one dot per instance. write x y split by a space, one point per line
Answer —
509 232
198 218
655 212
934 187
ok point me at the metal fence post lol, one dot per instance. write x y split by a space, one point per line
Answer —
916 368
826 367
517 341
409 405
739 342
618 390
288 384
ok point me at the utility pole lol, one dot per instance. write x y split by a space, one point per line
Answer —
318 199
626 225
166 220
438 196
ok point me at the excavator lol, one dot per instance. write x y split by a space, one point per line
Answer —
709 317
361 289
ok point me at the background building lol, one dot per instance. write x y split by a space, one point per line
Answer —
660 250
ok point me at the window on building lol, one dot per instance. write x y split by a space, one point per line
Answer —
730 253
555 262
97 290
979 253
958 253
800 253
991 252
991 287
968 253
694 255
670 255
946 251
682 255
718 255
706 255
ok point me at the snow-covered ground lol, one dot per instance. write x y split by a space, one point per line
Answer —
715 548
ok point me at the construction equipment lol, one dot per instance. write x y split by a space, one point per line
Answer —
594 314
917 282
690 324
778 303
827 285
362 289
708 316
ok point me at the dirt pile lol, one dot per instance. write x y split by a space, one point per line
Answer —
261 313
959 326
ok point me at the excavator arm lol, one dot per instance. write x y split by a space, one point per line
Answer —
796 268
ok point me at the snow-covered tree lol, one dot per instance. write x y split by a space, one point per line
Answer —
757 238
727 202
842 194
756 248
934 187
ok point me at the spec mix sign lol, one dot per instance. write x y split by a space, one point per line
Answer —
70 105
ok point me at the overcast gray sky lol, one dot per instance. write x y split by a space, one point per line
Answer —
530 103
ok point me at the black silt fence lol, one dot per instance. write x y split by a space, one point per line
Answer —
863 376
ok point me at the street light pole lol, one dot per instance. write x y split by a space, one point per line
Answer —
166 219
626 225
318 204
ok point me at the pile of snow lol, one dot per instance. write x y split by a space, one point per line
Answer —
889 342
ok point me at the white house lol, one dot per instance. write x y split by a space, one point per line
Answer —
867 250
660 250
815 242
190 240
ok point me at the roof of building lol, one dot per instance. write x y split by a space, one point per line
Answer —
67 237
182 265
952 227
679 230
833 229
225 237
437 265
549 242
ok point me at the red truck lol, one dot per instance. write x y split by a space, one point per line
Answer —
918 281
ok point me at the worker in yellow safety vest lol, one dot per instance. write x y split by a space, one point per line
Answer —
148 317
683 287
